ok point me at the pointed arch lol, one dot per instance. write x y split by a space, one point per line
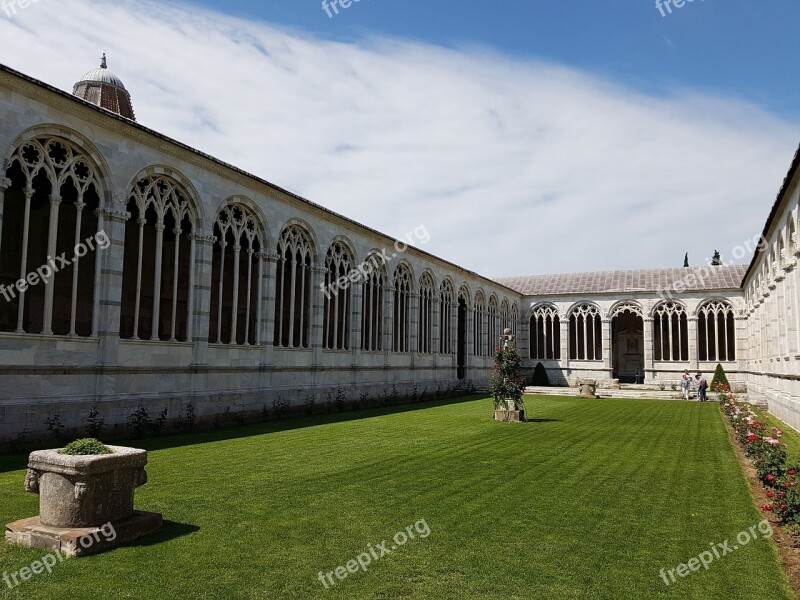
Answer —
57 185
446 300
337 309
427 294
716 330
164 216
585 332
403 285
670 332
373 303
492 325
479 328
296 253
240 240
545 332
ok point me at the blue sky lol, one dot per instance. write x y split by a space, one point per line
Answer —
744 48
578 136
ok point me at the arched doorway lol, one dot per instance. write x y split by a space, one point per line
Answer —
627 343
462 337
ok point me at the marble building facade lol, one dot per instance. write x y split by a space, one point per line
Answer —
212 286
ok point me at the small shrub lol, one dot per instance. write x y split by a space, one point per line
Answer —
363 398
341 397
85 447
280 407
160 423
310 404
540 377
719 379
221 420
139 422
55 426
95 423
186 424
239 417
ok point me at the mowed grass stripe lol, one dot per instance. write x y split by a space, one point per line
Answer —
588 501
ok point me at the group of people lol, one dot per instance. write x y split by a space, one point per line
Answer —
702 385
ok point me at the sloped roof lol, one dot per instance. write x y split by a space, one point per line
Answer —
728 277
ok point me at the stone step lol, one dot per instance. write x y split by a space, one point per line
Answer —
625 392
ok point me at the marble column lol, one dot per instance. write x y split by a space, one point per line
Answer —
606 326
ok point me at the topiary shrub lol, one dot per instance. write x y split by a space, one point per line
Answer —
540 377
85 447
719 379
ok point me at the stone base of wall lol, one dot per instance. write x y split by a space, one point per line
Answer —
23 424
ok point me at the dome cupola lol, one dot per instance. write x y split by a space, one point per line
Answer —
104 89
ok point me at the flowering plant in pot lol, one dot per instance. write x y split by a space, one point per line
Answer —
506 382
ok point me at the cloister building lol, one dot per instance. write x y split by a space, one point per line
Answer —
135 269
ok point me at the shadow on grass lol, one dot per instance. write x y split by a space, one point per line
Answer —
543 420
176 440
171 530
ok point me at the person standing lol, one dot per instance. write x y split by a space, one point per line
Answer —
685 380
702 386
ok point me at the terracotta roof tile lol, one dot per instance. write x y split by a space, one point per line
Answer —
727 277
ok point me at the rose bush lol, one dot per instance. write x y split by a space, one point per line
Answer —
768 453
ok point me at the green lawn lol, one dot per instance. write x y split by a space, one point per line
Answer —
590 500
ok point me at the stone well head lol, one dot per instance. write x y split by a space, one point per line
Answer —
85 491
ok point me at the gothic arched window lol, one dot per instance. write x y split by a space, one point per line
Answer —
545 332
402 309
670 332
585 333
293 288
337 307
716 331
157 270
426 297
235 274
50 239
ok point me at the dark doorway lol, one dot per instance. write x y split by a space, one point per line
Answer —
627 347
461 351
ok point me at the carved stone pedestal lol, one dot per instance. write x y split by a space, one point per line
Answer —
510 415
587 388
82 496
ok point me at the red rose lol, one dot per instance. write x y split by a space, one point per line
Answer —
770 477
770 493
792 472
783 494
784 507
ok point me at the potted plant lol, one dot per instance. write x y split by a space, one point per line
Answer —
83 487
506 383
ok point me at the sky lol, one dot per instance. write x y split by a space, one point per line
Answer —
527 136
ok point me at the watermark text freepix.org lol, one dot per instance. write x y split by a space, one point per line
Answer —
374 262
107 533
665 6
54 265
332 8
705 558
11 7
374 553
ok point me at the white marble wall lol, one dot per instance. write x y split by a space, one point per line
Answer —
772 289
42 375
666 373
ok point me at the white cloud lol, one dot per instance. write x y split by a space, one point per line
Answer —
515 167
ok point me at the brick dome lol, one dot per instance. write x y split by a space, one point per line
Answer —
103 88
